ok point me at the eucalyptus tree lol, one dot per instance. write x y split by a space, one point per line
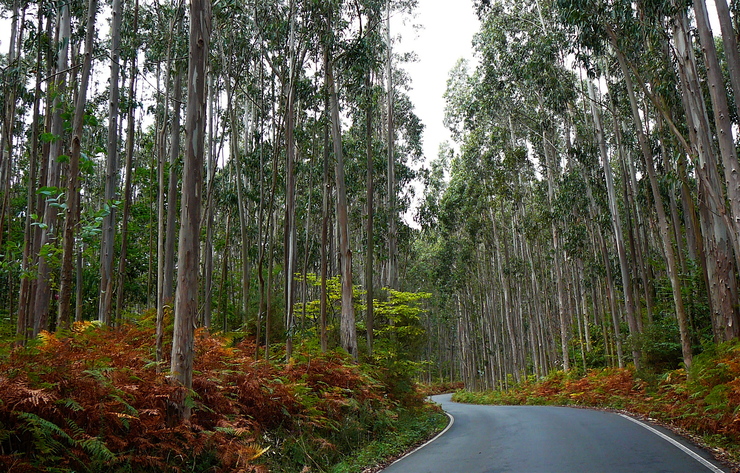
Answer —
111 177
39 166
391 137
186 297
128 170
73 173
634 35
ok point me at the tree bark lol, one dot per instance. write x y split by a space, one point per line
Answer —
186 296
130 135
290 230
172 194
369 184
718 243
347 331
616 223
73 191
392 211
111 175
24 299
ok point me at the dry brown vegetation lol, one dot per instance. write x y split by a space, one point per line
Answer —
93 400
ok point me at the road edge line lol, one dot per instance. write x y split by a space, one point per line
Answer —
452 421
676 443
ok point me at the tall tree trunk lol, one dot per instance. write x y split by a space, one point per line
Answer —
186 296
369 184
73 191
616 222
111 174
392 211
326 196
290 230
130 135
172 194
208 246
12 81
718 243
49 231
24 300
732 54
558 266
347 331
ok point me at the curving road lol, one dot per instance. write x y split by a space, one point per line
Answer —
545 439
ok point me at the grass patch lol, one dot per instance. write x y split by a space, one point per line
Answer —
412 429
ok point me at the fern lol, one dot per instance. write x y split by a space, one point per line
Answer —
97 449
128 408
43 432
76 430
71 404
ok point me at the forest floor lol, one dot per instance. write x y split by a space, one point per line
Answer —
95 400
703 404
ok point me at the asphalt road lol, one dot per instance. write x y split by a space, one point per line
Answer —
545 439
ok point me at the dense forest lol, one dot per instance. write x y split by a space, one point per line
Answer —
245 166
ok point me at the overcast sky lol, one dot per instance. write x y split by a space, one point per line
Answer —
447 29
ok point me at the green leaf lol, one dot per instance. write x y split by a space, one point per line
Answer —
49 137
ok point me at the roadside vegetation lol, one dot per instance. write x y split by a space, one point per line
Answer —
703 403
92 399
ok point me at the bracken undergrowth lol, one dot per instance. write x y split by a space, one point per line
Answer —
93 400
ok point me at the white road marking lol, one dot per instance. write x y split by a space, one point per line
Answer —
676 443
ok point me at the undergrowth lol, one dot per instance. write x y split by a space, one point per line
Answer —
412 430
704 402
93 400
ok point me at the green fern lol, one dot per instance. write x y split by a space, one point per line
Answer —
97 449
43 432
71 404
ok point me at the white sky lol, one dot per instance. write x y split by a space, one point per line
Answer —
447 29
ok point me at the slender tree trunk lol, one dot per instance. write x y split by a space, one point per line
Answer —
223 307
616 222
290 230
326 195
186 296
127 192
49 231
170 239
732 54
347 331
24 300
392 211
369 250
12 81
208 246
73 198
111 175
130 135
557 269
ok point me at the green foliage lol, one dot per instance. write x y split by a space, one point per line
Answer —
410 429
